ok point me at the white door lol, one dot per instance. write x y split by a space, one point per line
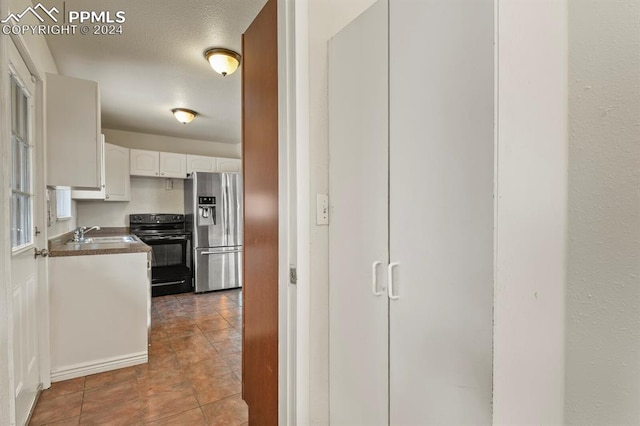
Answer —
27 288
441 211
358 230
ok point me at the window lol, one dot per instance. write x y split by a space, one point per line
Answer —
63 203
21 185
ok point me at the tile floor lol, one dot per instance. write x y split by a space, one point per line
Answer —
192 378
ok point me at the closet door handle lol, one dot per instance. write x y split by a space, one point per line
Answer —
391 293
374 279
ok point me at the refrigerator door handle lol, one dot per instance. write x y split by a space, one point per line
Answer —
220 252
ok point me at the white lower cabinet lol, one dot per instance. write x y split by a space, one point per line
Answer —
100 307
411 233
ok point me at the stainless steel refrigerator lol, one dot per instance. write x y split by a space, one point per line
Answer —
213 215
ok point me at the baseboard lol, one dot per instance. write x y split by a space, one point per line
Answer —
100 366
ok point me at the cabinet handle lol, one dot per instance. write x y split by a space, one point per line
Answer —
374 279
392 296
106 197
156 173
162 174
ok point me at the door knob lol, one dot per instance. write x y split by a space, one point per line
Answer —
43 253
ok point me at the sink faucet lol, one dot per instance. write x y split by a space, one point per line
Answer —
78 233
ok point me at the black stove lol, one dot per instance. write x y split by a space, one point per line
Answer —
170 243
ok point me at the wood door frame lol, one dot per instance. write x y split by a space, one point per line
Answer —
287 86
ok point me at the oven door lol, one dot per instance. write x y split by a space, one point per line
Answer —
170 258
218 268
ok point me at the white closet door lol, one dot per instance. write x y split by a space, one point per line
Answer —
441 211
358 231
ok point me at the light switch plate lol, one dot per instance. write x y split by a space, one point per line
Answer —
322 209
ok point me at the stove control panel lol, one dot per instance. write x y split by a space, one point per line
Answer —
149 218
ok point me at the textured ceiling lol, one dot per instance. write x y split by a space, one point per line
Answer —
157 64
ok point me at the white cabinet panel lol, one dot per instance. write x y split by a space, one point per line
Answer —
73 132
94 194
229 165
358 235
201 163
144 163
118 180
417 198
441 211
154 163
173 165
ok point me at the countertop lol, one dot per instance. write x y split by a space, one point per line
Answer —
58 248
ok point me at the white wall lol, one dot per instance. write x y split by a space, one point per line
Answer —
148 195
603 299
325 19
531 212
171 144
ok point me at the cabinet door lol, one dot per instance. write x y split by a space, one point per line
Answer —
201 163
73 132
118 180
94 194
226 165
441 211
358 234
144 163
173 165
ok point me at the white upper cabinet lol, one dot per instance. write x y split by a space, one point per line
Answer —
144 163
73 132
161 164
173 165
116 176
229 165
94 194
201 163
118 181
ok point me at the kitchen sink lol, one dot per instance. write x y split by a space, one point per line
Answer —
105 240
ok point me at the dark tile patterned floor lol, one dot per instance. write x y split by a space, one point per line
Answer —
192 378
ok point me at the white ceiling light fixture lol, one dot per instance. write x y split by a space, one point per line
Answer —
184 115
223 61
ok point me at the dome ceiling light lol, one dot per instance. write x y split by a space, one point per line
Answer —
223 61
184 115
